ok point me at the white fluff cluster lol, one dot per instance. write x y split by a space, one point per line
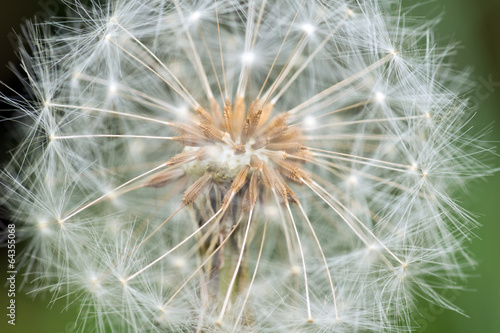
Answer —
126 186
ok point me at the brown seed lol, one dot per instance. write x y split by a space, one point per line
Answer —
268 177
185 157
164 178
237 184
292 171
239 114
212 133
282 189
251 124
278 121
287 134
184 129
255 162
239 150
288 147
266 113
291 194
194 190
216 113
204 115
228 119
191 140
251 194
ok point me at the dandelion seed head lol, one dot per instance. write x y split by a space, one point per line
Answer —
242 166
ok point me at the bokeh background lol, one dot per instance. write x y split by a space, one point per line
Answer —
475 24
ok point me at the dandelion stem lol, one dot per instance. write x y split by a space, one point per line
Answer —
235 274
207 259
253 277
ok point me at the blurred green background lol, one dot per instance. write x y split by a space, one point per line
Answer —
473 23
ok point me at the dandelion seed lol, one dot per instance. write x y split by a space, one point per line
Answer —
242 166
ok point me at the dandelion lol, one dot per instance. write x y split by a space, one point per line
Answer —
242 166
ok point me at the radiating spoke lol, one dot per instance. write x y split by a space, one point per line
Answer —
89 136
329 275
174 248
306 284
279 51
162 64
341 84
313 184
118 113
113 192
